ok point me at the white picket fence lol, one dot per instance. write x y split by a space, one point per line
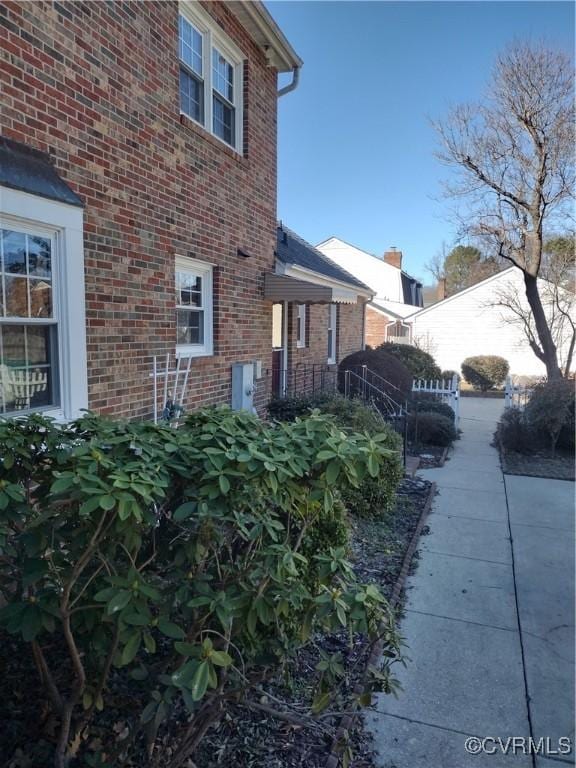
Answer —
516 395
447 391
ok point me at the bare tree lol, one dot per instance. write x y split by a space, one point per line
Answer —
435 266
514 154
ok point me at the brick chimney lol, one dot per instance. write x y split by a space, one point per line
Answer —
393 257
441 289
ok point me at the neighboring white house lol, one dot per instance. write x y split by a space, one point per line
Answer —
397 294
470 323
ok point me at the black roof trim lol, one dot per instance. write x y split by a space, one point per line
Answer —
292 249
29 170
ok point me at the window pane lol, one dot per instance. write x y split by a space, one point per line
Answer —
27 365
14 250
13 345
188 289
223 121
191 96
39 256
190 327
40 298
223 75
16 296
190 46
38 344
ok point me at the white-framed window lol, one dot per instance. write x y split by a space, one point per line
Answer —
301 325
194 321
211 76
332 325
42 307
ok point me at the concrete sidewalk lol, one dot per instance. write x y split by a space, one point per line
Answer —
490 615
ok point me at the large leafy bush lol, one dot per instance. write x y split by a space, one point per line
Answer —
550 412
395 378
420 364
485 372
375 496
431 404
430 428
190 562
514 433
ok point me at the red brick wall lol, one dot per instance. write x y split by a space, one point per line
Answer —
96 86
376 324
305 363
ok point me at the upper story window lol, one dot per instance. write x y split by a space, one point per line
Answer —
210 76
193 308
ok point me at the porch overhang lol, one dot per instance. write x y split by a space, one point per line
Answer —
284 288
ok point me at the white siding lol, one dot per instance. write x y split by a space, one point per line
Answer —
468 324
384 279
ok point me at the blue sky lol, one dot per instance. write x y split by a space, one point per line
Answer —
355 143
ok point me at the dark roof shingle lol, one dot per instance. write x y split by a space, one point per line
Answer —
292 249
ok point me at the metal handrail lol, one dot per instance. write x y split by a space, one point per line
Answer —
377 376
393 408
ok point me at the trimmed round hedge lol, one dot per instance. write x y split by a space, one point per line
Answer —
485 372
420 364
397 377
428 403
431 428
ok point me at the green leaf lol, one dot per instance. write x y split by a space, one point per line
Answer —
136 619
200 681
171 630
185 510
320 703
332 472
89 505
224 484
107 502
220 658
119 601
149 643
131 648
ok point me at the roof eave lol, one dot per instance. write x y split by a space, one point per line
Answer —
258 21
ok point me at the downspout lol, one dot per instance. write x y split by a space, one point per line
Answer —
291 86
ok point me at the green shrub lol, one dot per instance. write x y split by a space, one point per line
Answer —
485 372
430 403
170 562
375 496
550 411
420 364
514 433
430 428
449 374
396 378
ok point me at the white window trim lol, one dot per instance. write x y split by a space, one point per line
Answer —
332 326
66 223
301 326
212 37
206 272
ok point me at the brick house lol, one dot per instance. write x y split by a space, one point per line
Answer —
137 200
319 315
396 293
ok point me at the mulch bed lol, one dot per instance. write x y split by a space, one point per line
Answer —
539 464
244 738
431 457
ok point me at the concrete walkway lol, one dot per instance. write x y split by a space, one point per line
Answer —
490 616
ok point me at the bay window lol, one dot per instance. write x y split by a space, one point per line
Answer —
210 76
